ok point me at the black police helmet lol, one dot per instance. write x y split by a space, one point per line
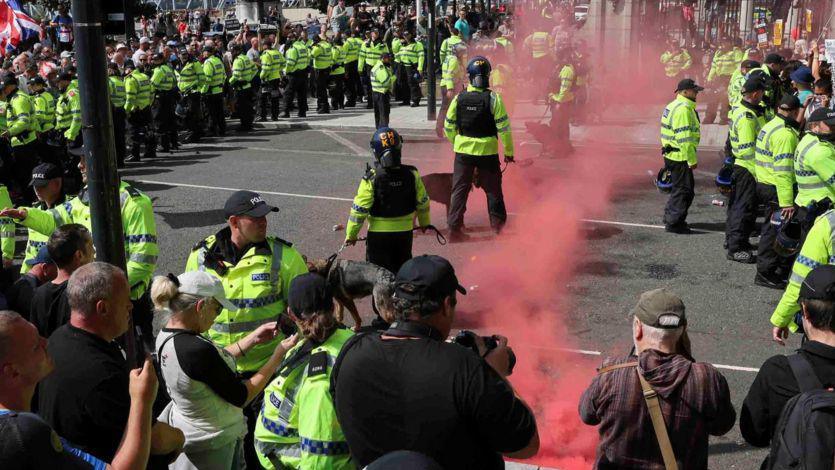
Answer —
478 69
787 241
664 180
724 178
386 146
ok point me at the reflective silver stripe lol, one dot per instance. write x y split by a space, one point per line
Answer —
801 156
830 217
765 164
275 267
270 449
201 259
123 197
240 327
811 185
7 234
142 258
797 278
56 217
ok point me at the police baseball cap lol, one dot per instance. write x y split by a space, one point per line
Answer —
660 308
750 64
819 284
774 58
309 294
790 103
753 84
9 79
688 84
824 115
44 173
427 276
67 77
247 203
203 284
41 257
37 80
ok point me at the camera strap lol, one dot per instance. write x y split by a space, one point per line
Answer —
404 329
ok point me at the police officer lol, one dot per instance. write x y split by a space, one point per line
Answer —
297 427
722 68
48 184
21 133
382 85
775 148
138 97
215 74
256 271
322 59
337 76
243 71
389 195
413 58
401 81
452 77
814 168
680 135
190 81
44 107
562 102
746 121
7 231
272 67
370 54
140 232
475 121
772 67
297 55
164 84
117 109
353 87
68 88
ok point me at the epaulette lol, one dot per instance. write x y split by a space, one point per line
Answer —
201 244
283 241
133 191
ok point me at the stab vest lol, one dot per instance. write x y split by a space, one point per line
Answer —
474 117
395 194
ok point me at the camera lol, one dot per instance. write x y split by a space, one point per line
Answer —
467 338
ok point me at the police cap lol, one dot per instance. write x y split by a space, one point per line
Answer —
247 203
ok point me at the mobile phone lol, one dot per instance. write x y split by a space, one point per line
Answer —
286 325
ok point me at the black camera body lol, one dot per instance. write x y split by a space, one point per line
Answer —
467 338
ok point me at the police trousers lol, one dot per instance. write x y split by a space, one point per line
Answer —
681 195
194 121
401 84
414 84
389 249
165 119
141 132
118 113
323 76
366 84
353 87
742 210
24 158
768 261
337 90
217 117
270 98
382 108
296 88
717 99
244 107
489 179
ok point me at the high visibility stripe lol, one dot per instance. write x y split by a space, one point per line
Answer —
783 156
242 326
278 428
765 164
142 258
292 450
809 263
324 447
797 278
811 185
141 238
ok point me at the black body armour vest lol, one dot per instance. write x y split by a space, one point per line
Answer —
474 117
395 194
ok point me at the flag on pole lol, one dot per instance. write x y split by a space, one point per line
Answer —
15 25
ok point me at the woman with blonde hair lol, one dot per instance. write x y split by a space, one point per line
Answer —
207 396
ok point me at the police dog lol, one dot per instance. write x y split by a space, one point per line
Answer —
350 280
439 186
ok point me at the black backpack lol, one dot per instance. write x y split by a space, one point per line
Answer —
804 438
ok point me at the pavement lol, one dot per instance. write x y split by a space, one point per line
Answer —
583 240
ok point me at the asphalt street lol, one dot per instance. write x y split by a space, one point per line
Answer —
312 175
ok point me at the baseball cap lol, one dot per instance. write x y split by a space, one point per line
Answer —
203 284
426 276
753 84
660 308
247 203
144 40
41 257
9 79
309 294
121 46
43 173
750 64
774 58
790 102
819 283
688 84
66 54
802 75
825 115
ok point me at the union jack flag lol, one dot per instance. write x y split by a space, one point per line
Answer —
15 25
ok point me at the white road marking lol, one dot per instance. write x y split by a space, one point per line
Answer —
626 224
598 353
277 150
220 188
358 151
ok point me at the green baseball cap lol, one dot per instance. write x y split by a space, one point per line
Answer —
660 308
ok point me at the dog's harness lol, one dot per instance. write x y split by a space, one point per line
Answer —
332 258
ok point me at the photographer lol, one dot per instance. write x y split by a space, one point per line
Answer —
693 397
405 388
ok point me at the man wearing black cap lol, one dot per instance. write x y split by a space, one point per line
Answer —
775 147
407 388
256 271
680 135
746 121
779 378
814 167
40 270
20 132
48 183
773 66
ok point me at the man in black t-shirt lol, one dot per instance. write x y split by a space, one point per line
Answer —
41 270
70 247
407 389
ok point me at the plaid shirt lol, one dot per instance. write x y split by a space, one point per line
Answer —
695 401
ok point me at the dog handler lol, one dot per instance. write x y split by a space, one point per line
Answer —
389 195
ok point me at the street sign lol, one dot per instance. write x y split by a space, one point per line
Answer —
808 21
232 24
778 33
